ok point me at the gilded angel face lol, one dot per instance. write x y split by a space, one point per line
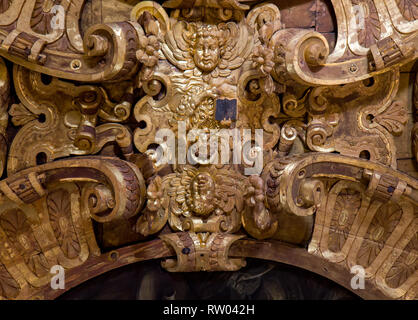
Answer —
206 53
207 50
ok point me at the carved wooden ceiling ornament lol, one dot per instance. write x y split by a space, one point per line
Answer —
95 94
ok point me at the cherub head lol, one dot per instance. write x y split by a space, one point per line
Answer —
207 47
210 50
202 194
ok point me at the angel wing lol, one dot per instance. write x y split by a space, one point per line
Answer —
230 188
238 46
177 47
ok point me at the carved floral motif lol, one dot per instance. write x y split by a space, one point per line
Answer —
382 225
405 265
18 230
346 207
59 207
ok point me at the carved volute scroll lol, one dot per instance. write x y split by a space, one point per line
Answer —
196 131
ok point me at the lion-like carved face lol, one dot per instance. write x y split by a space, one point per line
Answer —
206 53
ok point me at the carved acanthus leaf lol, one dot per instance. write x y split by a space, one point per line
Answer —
369 22
42 16
21 115
394 118
408 8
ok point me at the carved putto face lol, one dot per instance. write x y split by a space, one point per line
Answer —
206 52
202 190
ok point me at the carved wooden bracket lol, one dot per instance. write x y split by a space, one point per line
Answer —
201 252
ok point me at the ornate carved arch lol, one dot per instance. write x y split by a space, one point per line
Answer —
107 109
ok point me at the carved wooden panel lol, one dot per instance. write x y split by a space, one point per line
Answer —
206 132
